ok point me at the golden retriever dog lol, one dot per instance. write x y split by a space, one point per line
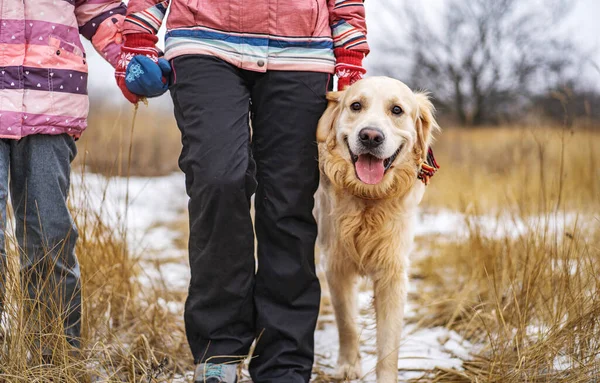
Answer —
373 139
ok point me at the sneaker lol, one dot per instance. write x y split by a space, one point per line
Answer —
215 373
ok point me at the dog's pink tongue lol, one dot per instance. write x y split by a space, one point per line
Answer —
369 169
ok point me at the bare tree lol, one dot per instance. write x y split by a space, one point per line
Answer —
482 59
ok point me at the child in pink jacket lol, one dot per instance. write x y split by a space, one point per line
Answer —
43 110
273 60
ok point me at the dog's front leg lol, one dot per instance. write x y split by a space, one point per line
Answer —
343 288
390 296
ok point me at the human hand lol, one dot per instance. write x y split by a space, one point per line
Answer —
146 77
140 72
348 67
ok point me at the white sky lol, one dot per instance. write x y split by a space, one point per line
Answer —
583 24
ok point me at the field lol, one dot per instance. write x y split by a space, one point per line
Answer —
504 280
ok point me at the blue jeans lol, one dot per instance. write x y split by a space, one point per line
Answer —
39 167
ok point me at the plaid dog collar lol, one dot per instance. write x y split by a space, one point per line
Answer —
428 168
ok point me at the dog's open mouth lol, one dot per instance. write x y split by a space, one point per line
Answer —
371 169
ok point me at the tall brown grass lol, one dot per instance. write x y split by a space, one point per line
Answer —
529 300
529 297
104 147
533 168
127 336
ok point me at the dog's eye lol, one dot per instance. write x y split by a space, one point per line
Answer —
397 110
356 106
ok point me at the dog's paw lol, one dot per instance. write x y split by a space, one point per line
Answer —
349 371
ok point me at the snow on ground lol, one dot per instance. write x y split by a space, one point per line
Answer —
421 350
456 226
149 209
152 205
155 205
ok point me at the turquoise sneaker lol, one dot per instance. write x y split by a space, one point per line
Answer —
215 373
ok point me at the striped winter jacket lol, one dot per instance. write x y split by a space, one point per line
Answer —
257 35
43 69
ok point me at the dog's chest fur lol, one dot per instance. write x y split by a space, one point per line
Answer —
373 238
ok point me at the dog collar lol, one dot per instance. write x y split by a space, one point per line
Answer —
428 168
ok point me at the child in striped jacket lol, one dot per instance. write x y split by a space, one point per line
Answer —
229 59
43 109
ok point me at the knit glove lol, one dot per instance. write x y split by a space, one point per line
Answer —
348 67
140 72
108 39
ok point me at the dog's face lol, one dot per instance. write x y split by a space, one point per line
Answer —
381 130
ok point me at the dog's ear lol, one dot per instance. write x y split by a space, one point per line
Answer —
328 118
426 124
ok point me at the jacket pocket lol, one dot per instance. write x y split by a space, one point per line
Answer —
66 55
298 18
213 14
65 47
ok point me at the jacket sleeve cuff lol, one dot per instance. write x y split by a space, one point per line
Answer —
140 40
348 57
88 30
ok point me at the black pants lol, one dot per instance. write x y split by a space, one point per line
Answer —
230 302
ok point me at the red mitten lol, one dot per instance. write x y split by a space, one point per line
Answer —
135 44
348 67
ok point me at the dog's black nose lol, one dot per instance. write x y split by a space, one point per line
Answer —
371 137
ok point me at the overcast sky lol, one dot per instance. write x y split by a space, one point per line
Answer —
582 24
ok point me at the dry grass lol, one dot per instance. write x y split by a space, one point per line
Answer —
104 148
530 300
533 168
127 336
529 297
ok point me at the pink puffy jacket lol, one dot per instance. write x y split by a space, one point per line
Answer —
43 69
258 35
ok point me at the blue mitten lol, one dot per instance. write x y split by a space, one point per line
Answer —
144 77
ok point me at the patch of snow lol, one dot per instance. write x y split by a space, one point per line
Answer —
563 363
146 207
143 208
172 307
444 223
458 226
139 205
170 275
421 350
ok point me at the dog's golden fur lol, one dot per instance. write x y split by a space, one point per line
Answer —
367 230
